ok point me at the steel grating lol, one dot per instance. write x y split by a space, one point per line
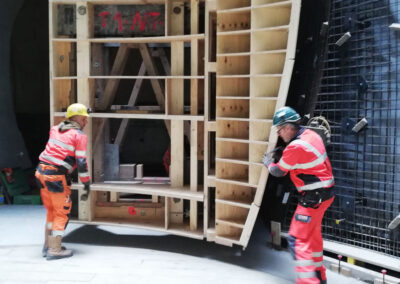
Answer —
361 79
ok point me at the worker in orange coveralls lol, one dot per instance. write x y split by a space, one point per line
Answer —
65 151
306 160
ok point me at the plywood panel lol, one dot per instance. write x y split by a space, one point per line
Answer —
232 171
233 87
262 109
231 4
226 231
232 150
268 17
64 59
130 212
234 193
227 212
233 108
267 63
233 43
233 65
256 152
265 86
233 22
269 40
64 94
259 130
232 129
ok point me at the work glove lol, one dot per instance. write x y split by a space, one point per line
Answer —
85 196
272 157
267 158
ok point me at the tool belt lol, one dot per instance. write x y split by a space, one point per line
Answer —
313 198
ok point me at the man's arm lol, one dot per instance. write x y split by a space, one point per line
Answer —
81 160
275 170
270 159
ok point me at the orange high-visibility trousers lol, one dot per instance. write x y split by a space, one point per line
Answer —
306 244
55 193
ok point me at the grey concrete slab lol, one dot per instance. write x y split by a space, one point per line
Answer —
107 254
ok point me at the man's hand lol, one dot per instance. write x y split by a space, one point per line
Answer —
85 196
268 158
273 156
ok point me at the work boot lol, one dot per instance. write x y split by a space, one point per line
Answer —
55 250
47 233
45 248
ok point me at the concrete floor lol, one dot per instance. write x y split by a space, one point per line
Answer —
108 254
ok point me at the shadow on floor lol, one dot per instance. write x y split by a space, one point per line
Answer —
257 256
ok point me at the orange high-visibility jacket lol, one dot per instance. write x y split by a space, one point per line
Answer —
306 159
67 148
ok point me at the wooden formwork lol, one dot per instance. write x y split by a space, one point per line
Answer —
239 74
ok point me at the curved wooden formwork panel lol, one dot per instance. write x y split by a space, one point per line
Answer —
256 43
255 48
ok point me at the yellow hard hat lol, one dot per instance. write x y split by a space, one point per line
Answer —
77 109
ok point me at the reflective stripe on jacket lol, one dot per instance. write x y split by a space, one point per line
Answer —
67 148
306 159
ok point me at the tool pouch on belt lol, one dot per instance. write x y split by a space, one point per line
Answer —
313 198
54 178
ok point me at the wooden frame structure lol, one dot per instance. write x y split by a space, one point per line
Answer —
240 70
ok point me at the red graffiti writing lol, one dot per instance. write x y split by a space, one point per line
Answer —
104 15
150 19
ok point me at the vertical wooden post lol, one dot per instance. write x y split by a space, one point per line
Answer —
176 92
176 169
52 34
83 28
193 172
194 46
176 104
176 27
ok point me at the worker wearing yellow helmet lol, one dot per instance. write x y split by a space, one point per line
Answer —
65 151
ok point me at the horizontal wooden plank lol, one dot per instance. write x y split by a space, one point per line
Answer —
273 5
146 77
227 240
140 116
241 141
234 10
150 189
238 161
127 77
229 33
176 230
233 203
115 2
283 27
154 39
233 223
236 181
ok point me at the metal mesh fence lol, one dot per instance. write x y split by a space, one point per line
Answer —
361 79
